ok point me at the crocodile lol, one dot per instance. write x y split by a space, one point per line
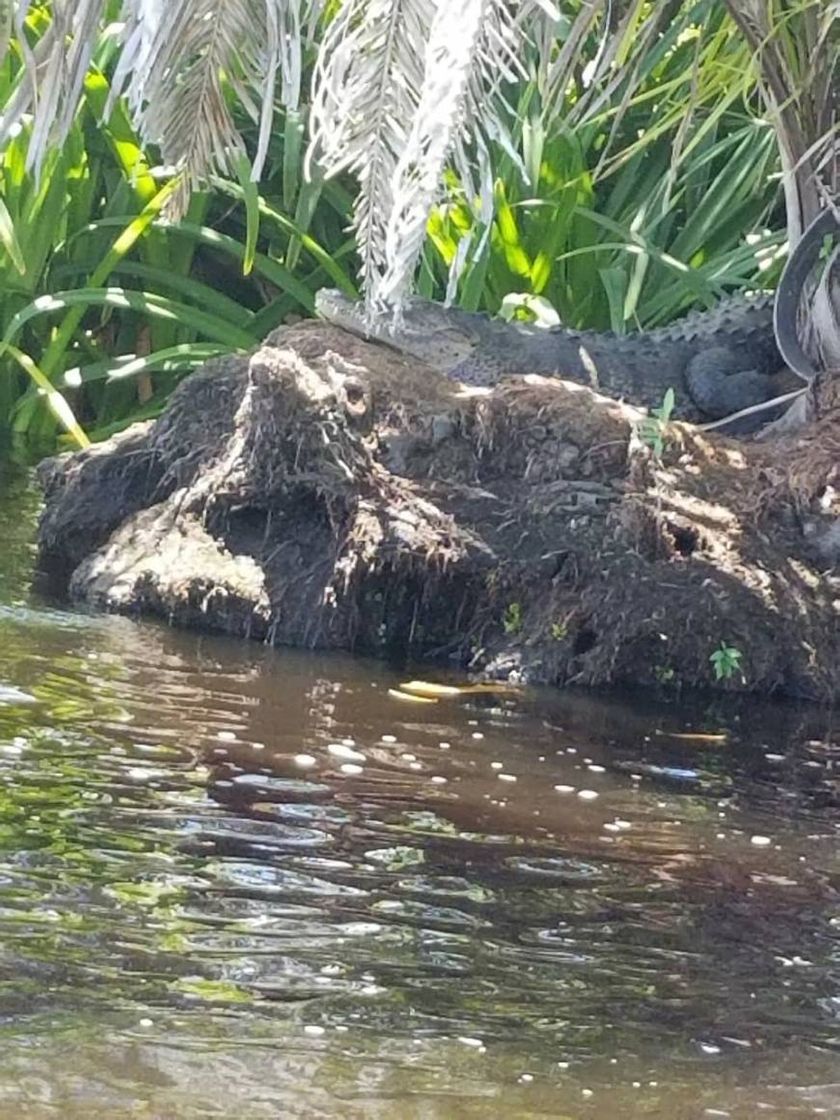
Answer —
718 362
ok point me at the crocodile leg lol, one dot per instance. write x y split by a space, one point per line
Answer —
719 385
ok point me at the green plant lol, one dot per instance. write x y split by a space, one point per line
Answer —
559 630
629 172
622 205
512 620
103 304
827 248
625 144
664 674
726 662
653 429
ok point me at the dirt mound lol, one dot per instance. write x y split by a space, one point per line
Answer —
326 492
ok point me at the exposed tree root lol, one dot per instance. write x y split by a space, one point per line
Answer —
328 493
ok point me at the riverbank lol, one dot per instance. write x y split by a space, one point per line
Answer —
326 493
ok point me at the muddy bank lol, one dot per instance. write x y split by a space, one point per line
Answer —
327 493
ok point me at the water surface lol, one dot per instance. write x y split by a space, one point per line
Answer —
241 882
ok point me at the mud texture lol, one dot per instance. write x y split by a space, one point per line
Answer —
325 492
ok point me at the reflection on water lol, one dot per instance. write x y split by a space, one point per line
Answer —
237 882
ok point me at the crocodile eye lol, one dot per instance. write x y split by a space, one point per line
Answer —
457 337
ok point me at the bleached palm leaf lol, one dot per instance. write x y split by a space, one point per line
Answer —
507 35
401 87
50 83
460 74
178 76
367 86
177 57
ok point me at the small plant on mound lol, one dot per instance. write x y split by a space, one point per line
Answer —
653 429
512 620
560 630
726 662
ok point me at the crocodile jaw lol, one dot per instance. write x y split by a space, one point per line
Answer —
421 329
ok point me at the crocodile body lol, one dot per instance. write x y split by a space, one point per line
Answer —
717 362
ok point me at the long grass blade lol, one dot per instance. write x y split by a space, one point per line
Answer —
57 402
147 303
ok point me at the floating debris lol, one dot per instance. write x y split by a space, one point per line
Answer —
432 689
694 736
398 694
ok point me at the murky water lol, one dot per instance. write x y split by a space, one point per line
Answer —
237 882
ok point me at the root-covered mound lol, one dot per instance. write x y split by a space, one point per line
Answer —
325 492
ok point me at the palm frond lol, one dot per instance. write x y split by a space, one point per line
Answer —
457 69
401 88
367 86
50 81
176 77
177 60
796 44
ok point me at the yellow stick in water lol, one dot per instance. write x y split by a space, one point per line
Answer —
398 694
696 736
432 689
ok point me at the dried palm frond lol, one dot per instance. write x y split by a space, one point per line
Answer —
367 88
454 107
51 79
176 61
401 87
176 76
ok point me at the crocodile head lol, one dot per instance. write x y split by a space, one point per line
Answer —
443 337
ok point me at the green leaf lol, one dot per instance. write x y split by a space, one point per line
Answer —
293 137
321 255
187 355
132 232
251 198
57 403
615 285
8 239
147 303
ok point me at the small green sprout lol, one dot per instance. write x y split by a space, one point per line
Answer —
512 620
726 661
653 428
